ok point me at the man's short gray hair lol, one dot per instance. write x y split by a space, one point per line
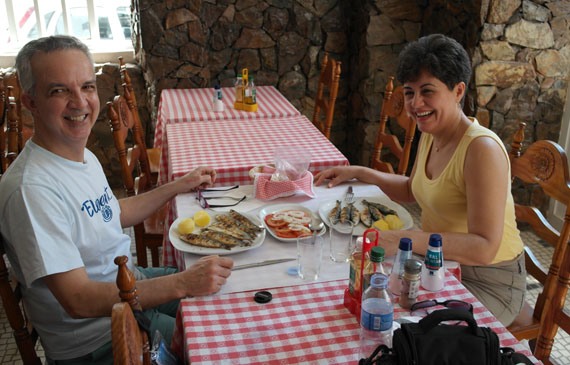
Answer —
45 44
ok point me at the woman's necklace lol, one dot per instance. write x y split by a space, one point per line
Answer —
438 148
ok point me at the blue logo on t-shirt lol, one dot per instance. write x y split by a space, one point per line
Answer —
100 204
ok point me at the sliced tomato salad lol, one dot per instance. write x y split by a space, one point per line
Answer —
289 223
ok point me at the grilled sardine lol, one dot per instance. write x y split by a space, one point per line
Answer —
201 241
365 217
334 214
249 225
223 238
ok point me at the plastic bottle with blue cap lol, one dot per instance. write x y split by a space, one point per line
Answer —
433 271
404 253
377 316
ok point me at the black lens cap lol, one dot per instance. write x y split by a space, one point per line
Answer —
262 297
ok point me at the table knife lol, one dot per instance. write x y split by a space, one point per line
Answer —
262 263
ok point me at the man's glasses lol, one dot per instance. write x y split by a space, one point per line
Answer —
202 200
452 303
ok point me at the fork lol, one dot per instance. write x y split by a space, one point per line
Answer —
349 195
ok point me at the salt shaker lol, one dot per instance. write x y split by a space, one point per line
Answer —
433 271
410 283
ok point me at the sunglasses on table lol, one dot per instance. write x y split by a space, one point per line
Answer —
452 303
202 200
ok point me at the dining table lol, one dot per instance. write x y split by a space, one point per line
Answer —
233 142
305 321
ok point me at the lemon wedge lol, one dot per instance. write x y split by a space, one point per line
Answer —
186 226
394 221
202 218
381 225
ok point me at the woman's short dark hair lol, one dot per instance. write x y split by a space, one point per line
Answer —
441 56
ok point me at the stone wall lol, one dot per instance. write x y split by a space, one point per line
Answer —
201 43
519 49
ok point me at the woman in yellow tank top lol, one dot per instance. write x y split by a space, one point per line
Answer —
460 179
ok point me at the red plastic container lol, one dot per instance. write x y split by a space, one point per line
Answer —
353 303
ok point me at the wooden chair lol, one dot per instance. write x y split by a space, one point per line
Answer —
393 107
11 80
133 160
129 94
130 343
544 163
24 334
3 127
329 78
554 315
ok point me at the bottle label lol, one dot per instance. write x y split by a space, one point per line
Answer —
352 279
433 260
376 322
219 92
410 289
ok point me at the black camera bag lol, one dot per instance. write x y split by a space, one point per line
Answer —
429 342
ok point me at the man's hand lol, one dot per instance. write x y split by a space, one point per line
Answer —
199 178
207 275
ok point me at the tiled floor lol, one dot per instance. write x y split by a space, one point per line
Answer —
561 350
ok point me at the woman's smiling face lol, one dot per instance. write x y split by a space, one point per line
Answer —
430 103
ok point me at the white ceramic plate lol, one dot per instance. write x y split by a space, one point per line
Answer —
278 207
326 207
197 250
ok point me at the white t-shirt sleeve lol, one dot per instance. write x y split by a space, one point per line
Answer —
41 234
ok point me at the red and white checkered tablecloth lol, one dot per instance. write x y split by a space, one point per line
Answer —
302 324
185 105
233 147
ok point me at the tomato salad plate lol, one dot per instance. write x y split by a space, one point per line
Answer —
286 222
217 232
387 207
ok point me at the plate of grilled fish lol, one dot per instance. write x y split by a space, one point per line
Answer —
363 212
227 233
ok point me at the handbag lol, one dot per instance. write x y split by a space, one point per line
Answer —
430 342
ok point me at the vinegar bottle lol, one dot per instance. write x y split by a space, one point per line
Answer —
355 261
374 266
239 89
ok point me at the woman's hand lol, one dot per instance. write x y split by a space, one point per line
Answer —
337 175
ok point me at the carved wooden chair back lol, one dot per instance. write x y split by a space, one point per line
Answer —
546 164
135 171
554 315
3 127
153 154
129 342
22 330
324 105
393 107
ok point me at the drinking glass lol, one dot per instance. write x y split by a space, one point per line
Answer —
341 241
309 257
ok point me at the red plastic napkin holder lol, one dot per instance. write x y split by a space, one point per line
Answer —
353 303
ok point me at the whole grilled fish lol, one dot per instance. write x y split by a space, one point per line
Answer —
382 208
334 214
248 224
374 212
223 238
365 217
354 214
201 241
231 224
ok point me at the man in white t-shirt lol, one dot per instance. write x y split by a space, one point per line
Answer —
62 225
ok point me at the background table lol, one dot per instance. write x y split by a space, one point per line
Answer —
305 323
190 105
233 147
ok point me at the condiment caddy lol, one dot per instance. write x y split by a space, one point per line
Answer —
245 94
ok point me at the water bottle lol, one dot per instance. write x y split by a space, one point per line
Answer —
404 253
433 270
376 317
374 266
